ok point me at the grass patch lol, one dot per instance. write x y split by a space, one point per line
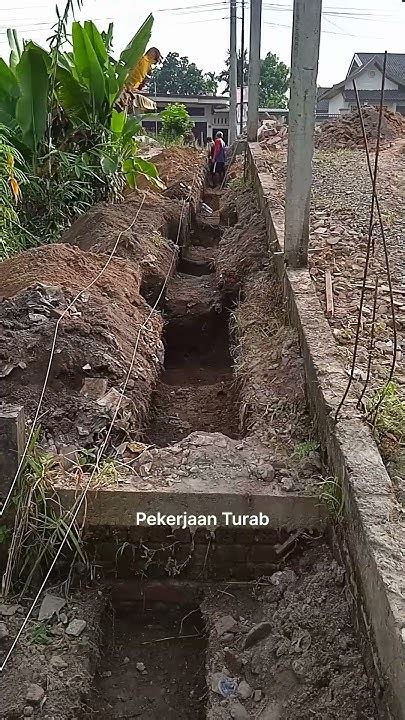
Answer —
331 494
304 449
386 409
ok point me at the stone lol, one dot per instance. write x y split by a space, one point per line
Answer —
271 712
35 694
3 631
283 578
58 662
238 712
8 610
126 660
75 627
244 690
140 667
51 605
233 662
257 633
28 711
257 696
225 624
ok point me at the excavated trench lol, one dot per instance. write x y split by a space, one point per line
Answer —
280 647
197 390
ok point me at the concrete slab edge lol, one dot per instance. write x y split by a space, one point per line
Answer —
373 526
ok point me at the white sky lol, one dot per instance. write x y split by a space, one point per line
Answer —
200 28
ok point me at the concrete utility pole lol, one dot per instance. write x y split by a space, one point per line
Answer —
242 70
304 72
254 69
232 75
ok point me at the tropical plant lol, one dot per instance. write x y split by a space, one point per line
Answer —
11 180
176 122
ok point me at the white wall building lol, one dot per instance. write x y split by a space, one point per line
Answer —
366 69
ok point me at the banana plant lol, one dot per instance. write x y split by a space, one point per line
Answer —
89 80
24 87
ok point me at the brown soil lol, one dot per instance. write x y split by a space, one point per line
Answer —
62 665
202 399
177 164
95 340
147 243
345 131
190 295
198 261
172 685
243 247
309 664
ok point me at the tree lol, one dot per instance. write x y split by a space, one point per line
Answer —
223 77
274 79
178 76
176 122
274 82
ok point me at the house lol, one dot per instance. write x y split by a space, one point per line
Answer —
366 69
209 112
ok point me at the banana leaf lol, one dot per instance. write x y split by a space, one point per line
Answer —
88 68
74 98
9 94
97 42
134 51
15 49
32 105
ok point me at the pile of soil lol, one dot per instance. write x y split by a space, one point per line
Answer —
345 131
50 670
180 164
288 647
273 134
243 247
93 349
147 242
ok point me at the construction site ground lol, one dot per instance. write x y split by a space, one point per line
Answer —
214 403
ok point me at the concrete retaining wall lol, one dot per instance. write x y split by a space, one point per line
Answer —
373 533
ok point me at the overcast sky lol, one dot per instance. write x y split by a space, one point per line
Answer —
200 29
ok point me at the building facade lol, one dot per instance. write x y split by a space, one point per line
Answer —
210 113
366 69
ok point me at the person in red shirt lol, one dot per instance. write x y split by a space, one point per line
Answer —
218 157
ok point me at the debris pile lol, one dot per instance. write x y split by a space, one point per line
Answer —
346 132
273 134
93 349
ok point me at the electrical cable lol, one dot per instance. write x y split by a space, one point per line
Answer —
100 452
52 353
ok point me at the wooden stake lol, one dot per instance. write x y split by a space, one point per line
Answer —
330 308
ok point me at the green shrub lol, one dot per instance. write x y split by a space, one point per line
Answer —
176 122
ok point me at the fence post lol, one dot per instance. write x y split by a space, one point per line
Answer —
12 443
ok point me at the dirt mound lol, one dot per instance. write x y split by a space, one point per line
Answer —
243 248
93 348
176 164
345 131
146 243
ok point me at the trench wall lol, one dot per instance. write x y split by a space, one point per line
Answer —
371 535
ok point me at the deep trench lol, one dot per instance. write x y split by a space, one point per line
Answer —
155 656
197 390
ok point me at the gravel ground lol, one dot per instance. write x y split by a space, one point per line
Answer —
340 216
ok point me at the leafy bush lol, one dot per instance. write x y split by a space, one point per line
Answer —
176 122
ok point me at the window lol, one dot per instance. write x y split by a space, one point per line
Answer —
195 111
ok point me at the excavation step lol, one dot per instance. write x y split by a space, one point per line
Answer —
202 399
198 260
190 295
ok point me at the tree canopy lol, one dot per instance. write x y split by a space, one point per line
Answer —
178 76
274 79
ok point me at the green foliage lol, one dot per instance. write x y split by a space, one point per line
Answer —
387 410
71 146
304 449
274 82
331 494
40 635
178 76
274 79
176 122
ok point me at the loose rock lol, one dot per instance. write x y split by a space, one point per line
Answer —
3 631
259 632
58 662
75 627
238 712
35 694
51 605
225 624
244 690
28 711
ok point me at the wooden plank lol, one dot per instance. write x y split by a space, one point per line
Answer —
330 307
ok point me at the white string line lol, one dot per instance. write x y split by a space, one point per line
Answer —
102 447
52 353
